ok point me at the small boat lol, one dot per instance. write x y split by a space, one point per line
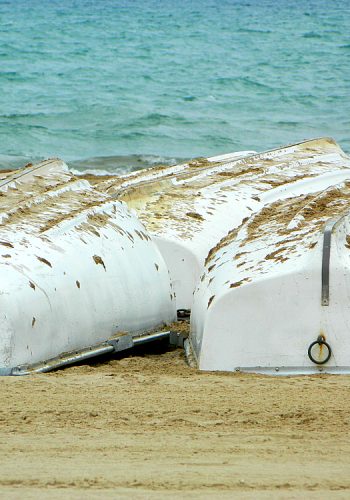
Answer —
77 269
186 209
274 293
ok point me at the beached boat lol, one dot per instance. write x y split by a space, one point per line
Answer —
187 210
247 239
256 245
77 269
274 294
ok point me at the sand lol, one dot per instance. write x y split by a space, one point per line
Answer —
149 426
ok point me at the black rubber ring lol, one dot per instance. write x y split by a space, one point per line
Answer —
319 342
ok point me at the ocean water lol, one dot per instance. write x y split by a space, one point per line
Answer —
115 85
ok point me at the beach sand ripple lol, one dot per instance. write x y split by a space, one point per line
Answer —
149 426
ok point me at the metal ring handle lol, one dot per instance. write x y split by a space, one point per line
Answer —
319 342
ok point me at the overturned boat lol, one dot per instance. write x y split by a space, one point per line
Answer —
257 246
187 210
75 267
274 292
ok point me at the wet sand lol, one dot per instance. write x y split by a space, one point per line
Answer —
149 426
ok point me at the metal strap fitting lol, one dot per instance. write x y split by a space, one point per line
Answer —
326 253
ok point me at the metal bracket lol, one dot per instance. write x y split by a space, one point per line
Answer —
177 339
326 253
183 314
121 343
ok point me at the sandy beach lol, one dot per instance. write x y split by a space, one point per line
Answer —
149 426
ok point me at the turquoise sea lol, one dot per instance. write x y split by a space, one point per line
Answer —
120 84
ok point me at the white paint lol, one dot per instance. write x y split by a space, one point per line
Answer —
273 312
184 270
184 241
79 281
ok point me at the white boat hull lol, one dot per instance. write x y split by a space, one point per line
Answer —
74 272
272 298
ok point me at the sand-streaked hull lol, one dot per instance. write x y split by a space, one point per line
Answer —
76 267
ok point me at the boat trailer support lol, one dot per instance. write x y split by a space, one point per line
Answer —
119 343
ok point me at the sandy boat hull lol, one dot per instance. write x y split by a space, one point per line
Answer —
76 268
274 294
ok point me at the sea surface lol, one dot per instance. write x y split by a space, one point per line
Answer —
116 85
